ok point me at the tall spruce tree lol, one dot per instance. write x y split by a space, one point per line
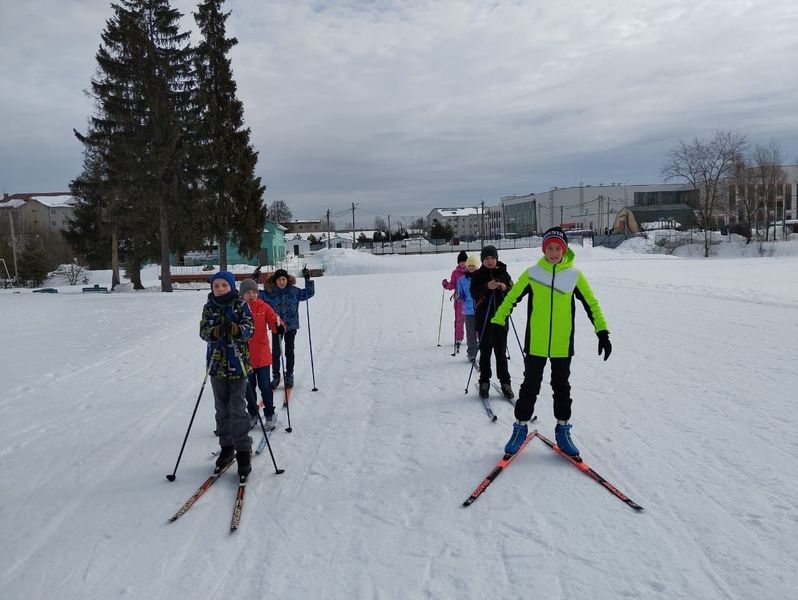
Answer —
135 148
232 194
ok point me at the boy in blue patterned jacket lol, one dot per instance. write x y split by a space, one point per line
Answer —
226 325
284 297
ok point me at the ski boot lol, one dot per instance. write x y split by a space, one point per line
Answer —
289 380
484 389
244 461
507 391
517 438
225 457
562 435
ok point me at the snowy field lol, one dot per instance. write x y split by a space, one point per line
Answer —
693 416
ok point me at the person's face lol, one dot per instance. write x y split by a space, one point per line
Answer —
553 252
220 287
471 268
462 263
250 295
489 262
281 282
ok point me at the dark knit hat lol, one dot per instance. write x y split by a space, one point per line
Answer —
279 273
489 251
247 285
555 234
227 276
462 256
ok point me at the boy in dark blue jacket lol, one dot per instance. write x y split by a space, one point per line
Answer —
284 297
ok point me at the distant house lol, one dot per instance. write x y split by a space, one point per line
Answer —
464 221
634 219
272 247
341 241
47 212
305 226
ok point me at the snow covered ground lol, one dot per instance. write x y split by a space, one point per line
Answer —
693 416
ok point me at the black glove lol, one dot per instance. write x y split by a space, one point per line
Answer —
280 329
306 273
604 343
256 274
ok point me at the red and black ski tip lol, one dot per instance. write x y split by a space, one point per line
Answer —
588 470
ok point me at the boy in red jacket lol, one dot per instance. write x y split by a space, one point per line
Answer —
260 354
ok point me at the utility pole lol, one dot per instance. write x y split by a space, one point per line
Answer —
537 217
353 224
390 235
482 226
329 243
13 246
599 215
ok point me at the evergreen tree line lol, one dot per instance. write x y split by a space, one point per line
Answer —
168 165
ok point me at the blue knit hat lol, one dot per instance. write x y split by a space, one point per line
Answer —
227 276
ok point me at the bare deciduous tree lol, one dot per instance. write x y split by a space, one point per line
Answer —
706 165
279 212
770 178
380 224
743 198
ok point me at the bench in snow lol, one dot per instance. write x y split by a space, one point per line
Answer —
96 288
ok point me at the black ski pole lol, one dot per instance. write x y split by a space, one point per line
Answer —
289 429
310 341
172 476
481 340
517 339
269 446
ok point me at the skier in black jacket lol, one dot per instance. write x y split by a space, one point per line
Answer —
489 284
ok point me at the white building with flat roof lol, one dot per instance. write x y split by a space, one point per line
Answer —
464 221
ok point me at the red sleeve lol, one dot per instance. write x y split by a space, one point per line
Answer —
272 320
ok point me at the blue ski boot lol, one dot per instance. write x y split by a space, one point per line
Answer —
562 435
517 438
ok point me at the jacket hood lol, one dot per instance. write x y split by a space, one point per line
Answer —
270 285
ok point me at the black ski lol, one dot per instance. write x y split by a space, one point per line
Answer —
239 504
200 491
500 466
486 404
588 470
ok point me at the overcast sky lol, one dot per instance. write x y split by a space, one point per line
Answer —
402 106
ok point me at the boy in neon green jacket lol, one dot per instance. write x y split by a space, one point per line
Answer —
553 285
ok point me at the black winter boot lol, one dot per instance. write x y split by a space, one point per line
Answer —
244 461
225 457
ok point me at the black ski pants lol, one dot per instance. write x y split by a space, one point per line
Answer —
493 341
533 376
288 347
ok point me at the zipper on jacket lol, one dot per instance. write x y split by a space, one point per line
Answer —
551 306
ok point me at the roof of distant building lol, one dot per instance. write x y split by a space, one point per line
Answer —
51 199
458 212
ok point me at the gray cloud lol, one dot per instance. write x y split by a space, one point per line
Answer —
402 106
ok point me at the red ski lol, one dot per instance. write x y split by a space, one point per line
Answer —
500 466
588 470
200 491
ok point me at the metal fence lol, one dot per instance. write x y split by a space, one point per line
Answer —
415 246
